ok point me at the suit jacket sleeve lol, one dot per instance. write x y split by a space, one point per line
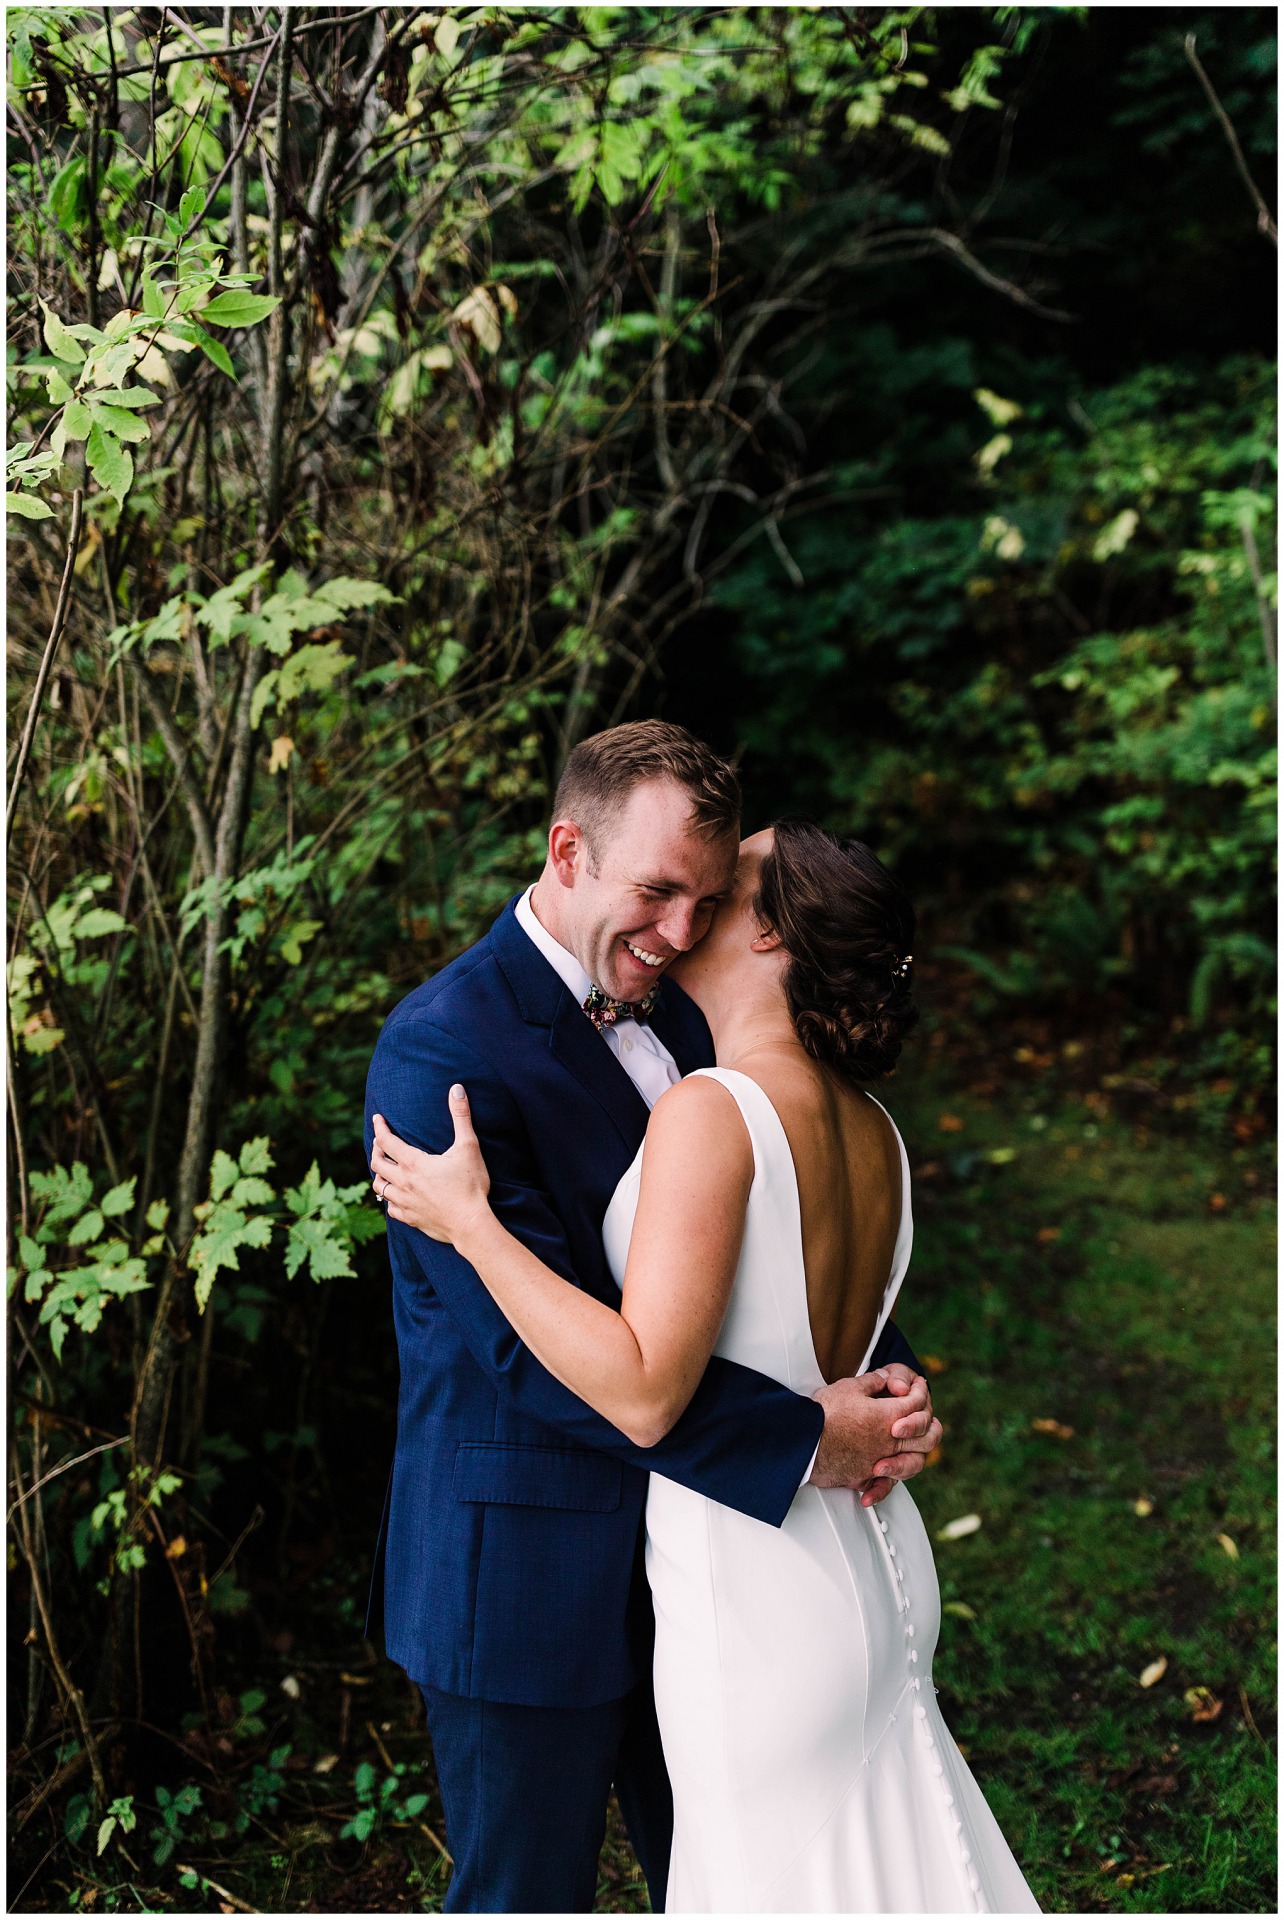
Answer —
892 1345
744 1440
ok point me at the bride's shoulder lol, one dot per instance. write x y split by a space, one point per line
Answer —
701 1114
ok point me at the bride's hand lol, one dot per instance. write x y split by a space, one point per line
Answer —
443 1194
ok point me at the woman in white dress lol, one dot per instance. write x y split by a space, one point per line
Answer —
767 1218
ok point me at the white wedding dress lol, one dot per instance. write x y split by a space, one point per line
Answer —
812 1771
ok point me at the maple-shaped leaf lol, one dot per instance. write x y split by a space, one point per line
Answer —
223 1174
256 1155
251 1191
216 1248
313 1240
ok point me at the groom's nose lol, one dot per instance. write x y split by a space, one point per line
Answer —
680 925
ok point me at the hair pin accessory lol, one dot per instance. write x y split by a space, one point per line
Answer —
902 965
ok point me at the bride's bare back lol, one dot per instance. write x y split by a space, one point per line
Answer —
848 1166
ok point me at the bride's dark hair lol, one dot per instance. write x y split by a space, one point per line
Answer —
848 929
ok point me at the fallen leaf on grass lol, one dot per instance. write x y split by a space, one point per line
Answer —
1001 1156
326 1764
1217 1202
934 1456
960 1528
1046 1235
1125 1879
934 1363
950 1123
960 1607
1143 1507
1057 1427
1203 1703
1228 1546
1155 1671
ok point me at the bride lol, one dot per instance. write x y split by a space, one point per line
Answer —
766 1218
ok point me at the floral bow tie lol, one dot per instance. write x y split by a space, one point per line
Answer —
604 1012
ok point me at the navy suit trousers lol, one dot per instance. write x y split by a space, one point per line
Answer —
525 1792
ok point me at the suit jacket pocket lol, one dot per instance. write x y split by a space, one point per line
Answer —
517 1476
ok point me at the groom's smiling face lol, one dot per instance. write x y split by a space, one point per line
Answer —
642 890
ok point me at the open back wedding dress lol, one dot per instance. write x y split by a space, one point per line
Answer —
812 1771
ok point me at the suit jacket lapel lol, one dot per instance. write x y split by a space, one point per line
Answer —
545 1001
679 1024
581 1048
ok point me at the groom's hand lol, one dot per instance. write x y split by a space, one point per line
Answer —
879 1428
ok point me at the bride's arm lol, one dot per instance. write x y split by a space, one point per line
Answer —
639 1367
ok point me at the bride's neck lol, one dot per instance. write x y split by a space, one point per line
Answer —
741 1031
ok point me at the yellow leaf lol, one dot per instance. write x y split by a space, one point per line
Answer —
959 1529
960 1608
1143 1507
1155 1671
279 758
934 1363
1228 1546
950 1123
1203 1703
1056 1427
176 1548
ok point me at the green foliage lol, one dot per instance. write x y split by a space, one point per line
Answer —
380 1800
1066 696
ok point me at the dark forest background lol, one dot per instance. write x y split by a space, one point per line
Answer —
396 395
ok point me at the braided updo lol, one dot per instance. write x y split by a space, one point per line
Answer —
848 929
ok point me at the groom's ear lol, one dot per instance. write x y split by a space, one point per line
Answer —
567 851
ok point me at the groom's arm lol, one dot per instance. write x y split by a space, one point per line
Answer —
744 1440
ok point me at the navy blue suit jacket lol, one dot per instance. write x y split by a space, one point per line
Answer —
509 1560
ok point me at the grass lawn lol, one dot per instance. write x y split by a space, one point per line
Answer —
1071 1268
1122 1286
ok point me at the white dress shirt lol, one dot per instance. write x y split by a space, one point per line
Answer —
648 1063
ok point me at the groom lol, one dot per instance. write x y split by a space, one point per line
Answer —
509 1570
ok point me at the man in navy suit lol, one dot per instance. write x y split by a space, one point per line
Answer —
509 1568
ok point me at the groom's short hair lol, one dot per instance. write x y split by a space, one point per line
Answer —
602 771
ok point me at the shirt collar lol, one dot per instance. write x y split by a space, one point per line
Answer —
564 964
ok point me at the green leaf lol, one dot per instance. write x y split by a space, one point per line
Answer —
253 1192
58 388
236 308
212 349
58 340
153 298
27 507
31 1254
98 922
264 697
222 1174
120 1199
67 196
158 1214
122 422
77 420
255 1155
106 1828
111 464
295 937
313 1240
88 1227
191 204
